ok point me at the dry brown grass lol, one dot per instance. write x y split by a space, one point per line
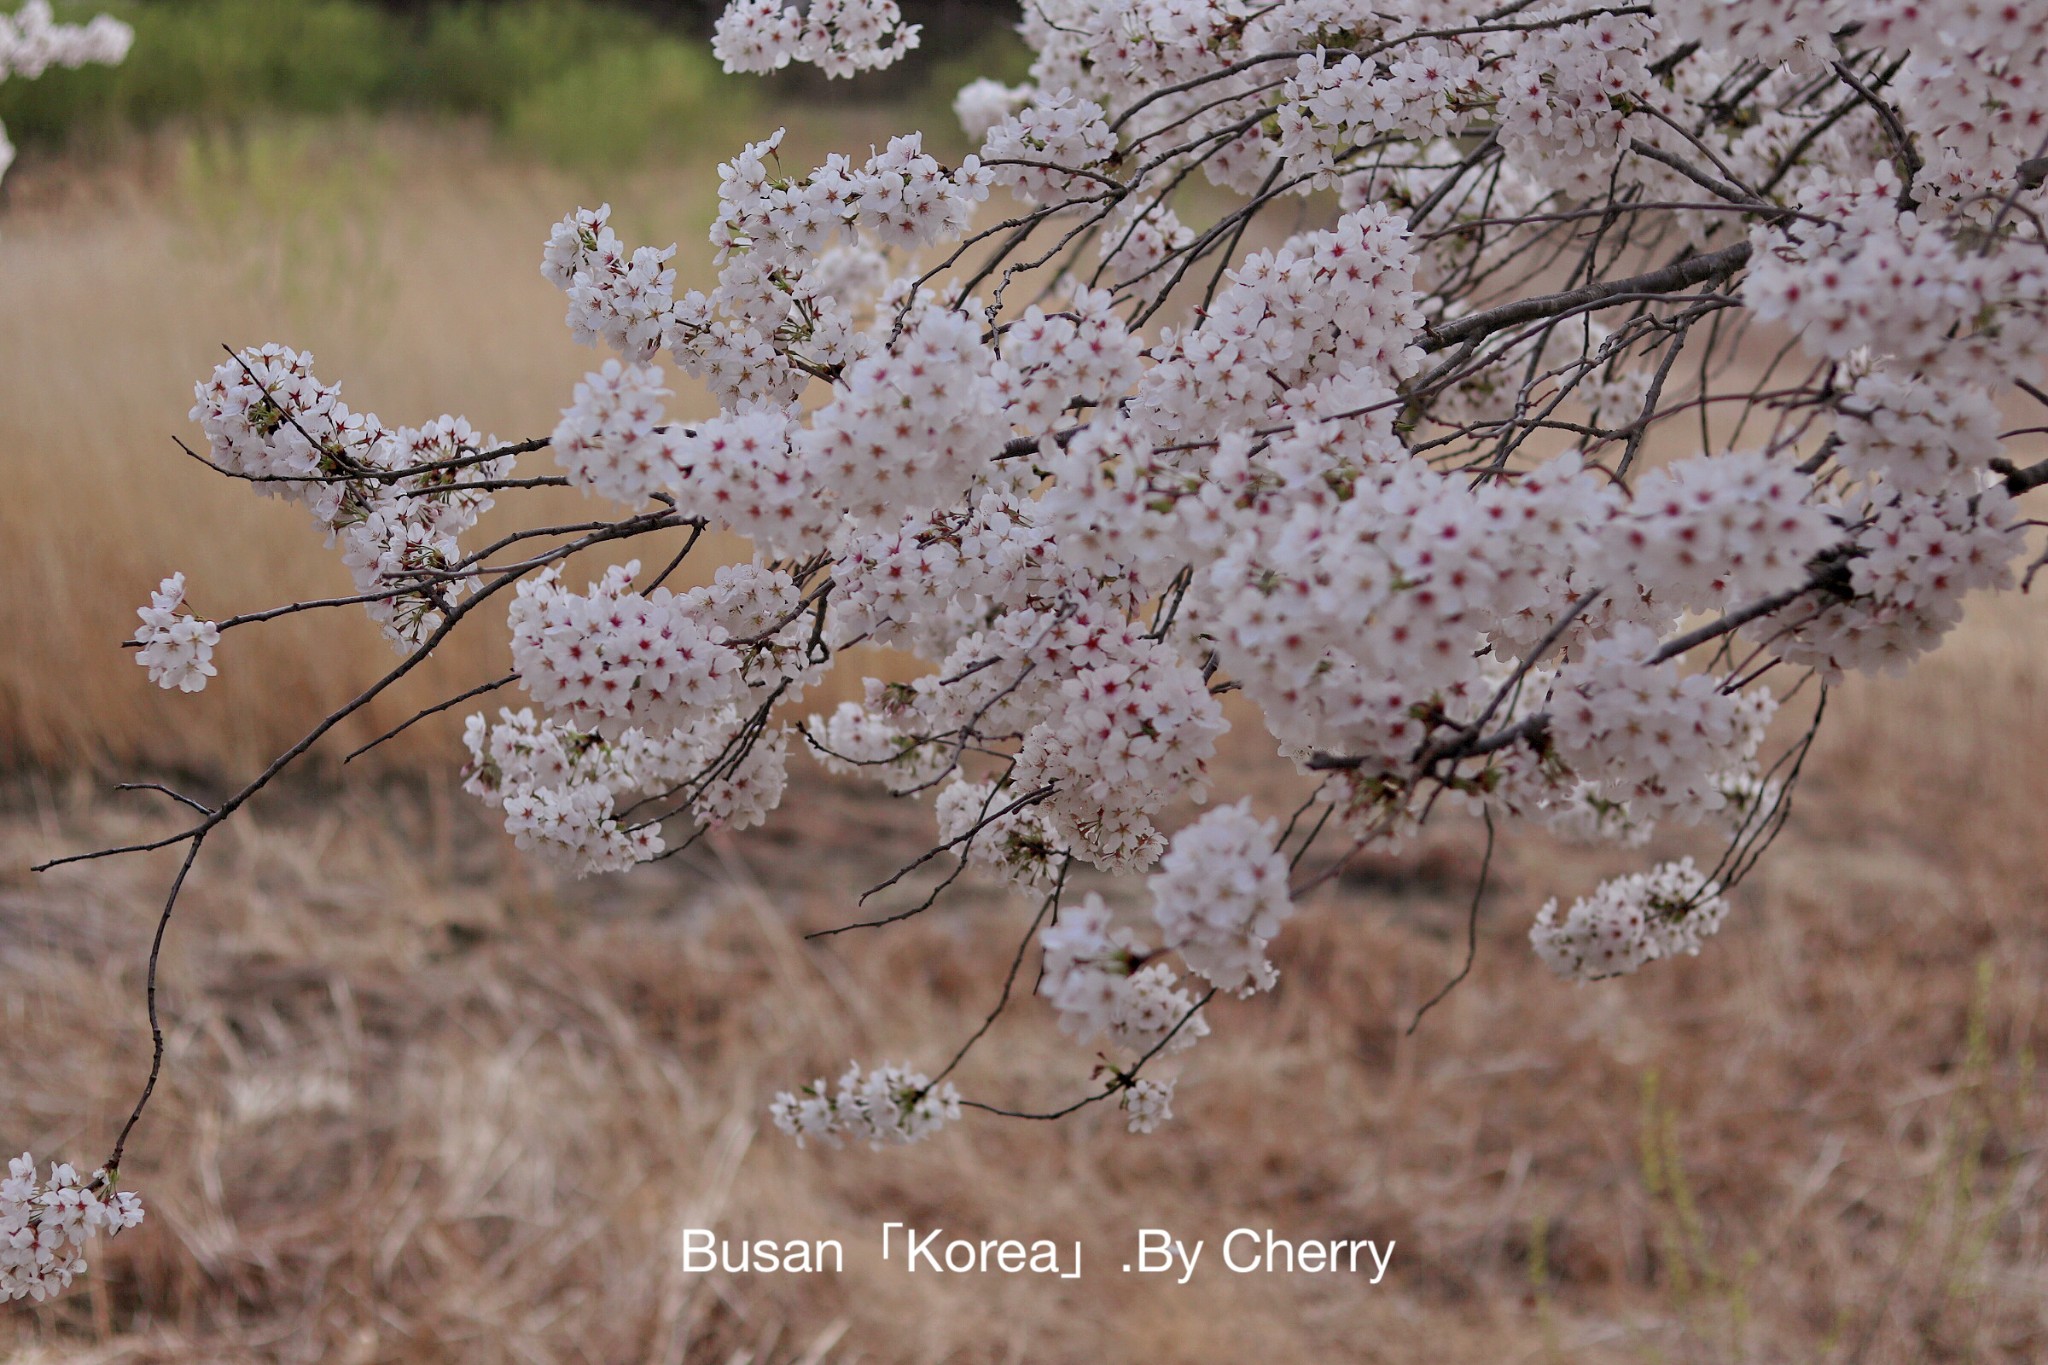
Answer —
426 1104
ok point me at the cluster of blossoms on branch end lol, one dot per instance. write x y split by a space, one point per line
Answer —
175 646
886 1106
45 1225
1629 921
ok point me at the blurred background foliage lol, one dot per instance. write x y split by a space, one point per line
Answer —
593 84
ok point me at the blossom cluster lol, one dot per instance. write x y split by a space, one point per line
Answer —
613 656
839 37
647 696
1655 738
569 794
1220 895
860 740
1629 921
1017 844
1873 276
1147 1103
46 1224
1103 980
1047 150
883 1107
1916 560
176 646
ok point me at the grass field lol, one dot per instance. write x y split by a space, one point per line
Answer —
427 1103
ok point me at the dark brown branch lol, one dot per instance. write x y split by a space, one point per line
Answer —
1531 728
177 796
2020 481
479 690
156 1028
1668 279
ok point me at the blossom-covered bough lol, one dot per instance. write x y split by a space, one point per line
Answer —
1519 404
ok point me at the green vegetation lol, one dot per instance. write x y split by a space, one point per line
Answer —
581 82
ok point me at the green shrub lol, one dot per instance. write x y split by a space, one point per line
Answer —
213 61
622 105
488 59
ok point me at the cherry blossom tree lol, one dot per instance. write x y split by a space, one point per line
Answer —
1531 409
